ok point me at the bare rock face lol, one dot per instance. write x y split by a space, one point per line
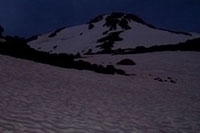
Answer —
126 62
108 41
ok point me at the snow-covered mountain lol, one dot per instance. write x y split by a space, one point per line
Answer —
105 33
146 93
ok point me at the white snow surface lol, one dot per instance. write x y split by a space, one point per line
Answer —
69 40
142 35
38 98
79 39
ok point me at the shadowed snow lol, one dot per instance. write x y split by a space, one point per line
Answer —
37 98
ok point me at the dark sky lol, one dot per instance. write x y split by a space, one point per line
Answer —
28 17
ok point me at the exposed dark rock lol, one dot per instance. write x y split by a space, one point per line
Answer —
122 20
104 33
158 79
172 81
90 26
124 24
54 47
35 37
111 22
169 78
126 62
89 51
117 19
108 41
55 32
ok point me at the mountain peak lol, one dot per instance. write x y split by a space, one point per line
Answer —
117 19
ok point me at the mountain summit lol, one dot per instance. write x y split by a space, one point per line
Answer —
106 33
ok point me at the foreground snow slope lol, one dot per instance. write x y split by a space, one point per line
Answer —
37 98
132 30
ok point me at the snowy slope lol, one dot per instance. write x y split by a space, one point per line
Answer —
37 98
130 32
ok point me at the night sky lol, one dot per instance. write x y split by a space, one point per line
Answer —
29 17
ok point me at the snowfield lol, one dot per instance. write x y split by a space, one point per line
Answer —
162 97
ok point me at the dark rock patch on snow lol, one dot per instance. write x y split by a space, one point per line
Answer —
108 41
54 47
158 79
117 19
91 26
32 38
55 32
168 80
126 62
